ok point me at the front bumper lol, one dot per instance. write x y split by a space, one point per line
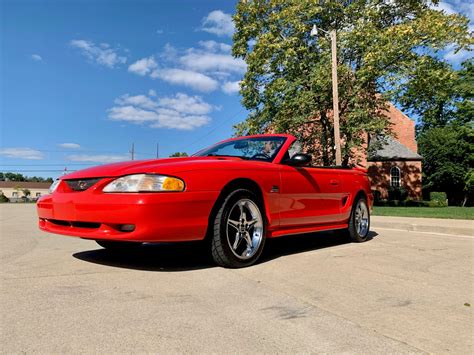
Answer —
157 217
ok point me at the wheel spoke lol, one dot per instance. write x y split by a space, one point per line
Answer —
252 223
237 241
247 238
242 212
233 223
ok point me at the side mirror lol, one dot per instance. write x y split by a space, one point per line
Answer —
299 159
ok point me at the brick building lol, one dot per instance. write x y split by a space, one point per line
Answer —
396 163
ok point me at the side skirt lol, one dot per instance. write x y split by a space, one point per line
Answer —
303 230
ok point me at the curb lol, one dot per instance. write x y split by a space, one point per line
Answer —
456 227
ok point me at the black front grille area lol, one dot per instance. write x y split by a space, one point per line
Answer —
81 184
76 224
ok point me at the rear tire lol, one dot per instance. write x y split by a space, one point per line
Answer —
117 245
359 221
238 234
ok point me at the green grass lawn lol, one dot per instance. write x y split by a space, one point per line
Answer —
427 212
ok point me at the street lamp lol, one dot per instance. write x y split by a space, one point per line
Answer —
335 95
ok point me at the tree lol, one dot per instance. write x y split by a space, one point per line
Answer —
448 158
439 94
20 177
14 177
287 86
26 193
179 154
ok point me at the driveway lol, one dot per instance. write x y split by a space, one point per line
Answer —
399 292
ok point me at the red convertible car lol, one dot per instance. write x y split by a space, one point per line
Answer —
234 194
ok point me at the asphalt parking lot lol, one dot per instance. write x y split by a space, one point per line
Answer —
399 292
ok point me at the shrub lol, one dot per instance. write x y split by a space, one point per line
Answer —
397 193
4 198
377 196
437 203
438 199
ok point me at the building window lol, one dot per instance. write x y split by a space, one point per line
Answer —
395 176
14 194
38 194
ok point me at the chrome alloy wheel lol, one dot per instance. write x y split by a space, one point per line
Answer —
362 218
244 229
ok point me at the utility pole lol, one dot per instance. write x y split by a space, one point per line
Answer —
335 93
335 98
132 151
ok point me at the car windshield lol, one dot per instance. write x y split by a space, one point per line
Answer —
258 148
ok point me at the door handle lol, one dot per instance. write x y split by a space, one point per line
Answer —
334 182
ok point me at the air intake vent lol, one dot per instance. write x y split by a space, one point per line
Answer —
81 184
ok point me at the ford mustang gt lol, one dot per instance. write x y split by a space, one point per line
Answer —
234 195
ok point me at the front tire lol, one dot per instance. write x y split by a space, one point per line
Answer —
238 234
117 245
359 222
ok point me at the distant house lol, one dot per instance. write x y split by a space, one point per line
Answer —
395 164
14 190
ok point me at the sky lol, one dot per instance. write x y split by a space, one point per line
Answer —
83 80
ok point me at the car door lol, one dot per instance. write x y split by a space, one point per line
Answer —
309 195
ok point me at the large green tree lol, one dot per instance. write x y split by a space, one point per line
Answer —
448 160
287 86
442 98
439 94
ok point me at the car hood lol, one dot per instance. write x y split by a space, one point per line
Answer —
157 166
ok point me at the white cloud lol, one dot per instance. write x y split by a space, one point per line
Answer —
203 68
203 61
179 121
132 114
143 66
214 46
36 57
169 53
101 54
231 87
219 23
102 158
186 104
192 79
21 153
69 145
137 100
159 32
176 112
151 92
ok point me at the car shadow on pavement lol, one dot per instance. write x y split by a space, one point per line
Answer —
186 256
169 257
295 244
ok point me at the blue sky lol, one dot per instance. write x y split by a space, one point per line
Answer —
83 80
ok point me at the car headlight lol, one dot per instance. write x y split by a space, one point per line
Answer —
145 183
54 186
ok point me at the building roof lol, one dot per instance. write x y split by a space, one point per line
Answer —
25 185
391 149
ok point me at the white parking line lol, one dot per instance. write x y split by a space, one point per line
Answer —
429 233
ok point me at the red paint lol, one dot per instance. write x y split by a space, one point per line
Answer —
308 199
